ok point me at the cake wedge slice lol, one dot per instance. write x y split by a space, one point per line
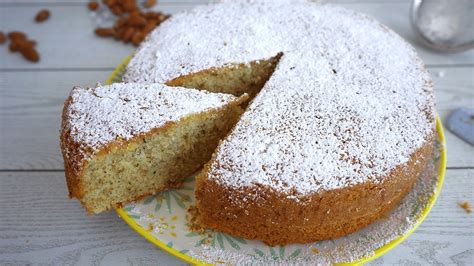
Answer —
124 141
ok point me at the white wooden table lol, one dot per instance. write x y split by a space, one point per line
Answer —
40 225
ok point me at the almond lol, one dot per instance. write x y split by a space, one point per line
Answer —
119 33
150 25
155 15
16 35
19 42
121 22
149 3
138 38
136 20
149 15
27 44
93 5
14 47
105 32
129 5
3 38
117 10
127 34
30 54
19 45
110 3
42 15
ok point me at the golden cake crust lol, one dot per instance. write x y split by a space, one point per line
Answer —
75 159
277 220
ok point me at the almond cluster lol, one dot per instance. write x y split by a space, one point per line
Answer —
20 43
132 25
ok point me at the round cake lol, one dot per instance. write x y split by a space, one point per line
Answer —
336 137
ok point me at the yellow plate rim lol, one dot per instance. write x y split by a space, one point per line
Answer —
377 253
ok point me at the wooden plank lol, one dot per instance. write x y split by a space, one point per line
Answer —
31 104
40 225
446 237
73 25
30 110
451 94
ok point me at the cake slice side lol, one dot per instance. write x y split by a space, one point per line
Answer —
125 141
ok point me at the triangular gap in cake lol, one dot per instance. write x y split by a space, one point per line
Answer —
233 78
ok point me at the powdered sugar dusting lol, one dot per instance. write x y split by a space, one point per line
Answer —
98 116
350 248
216 248
347 103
